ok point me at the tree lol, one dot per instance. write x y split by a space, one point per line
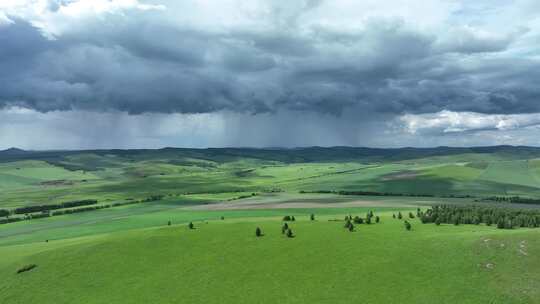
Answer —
500 223
222 217
258 232
351 227
399 216
287 218
284 228
292 218
411 215
358 220
368 220
394 215
290 233
190 225
438 221
312 217
347 224
377 219
408 226
168 223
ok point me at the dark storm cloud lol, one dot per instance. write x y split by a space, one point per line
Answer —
136 62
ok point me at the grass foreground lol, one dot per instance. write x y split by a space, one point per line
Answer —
221 261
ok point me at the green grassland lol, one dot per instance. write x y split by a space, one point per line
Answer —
128 253
115 175
221 261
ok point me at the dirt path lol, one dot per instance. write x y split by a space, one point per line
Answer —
294 204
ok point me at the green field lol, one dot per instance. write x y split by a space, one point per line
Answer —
221 261
127 253
115 175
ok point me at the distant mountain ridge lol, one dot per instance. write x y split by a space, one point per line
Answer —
288 155
13 151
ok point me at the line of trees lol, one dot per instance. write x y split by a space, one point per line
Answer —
503 218
511 200
41 208
56 212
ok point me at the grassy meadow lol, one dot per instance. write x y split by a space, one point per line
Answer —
109 176
221 261
127 253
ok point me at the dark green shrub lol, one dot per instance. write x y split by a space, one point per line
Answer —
377 219
290 233
26 268
4 213
191 226
399 216
287 218
358 220
408 226
258 232
312 217
411 215
351 227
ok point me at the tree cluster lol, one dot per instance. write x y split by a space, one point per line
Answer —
359 220
289 218
504 218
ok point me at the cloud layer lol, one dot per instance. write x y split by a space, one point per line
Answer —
332 60
455 122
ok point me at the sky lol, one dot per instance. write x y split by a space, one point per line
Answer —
84 74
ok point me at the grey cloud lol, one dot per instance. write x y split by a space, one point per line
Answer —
138 63
464 40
